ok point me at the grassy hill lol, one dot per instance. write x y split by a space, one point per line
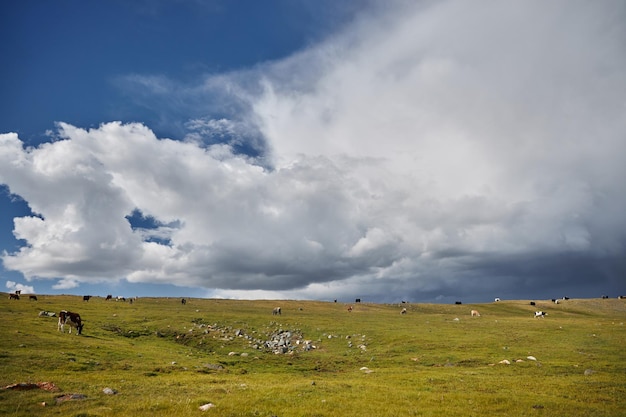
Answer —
163 358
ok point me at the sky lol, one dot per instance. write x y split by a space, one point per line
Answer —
421 151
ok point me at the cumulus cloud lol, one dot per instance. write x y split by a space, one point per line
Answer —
13 286
433 150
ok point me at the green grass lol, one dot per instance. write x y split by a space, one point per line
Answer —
157 355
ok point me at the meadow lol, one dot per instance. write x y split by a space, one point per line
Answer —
158 357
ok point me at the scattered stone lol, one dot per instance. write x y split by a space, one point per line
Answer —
589 372
505 362
215 367
537 406
109 391
531 358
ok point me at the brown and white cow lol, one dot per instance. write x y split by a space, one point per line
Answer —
71 319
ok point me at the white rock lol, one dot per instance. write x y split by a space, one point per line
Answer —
531 358
505 362
206 406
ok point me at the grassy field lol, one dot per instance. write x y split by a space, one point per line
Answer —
163 358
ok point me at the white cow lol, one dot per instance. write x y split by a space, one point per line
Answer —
475 313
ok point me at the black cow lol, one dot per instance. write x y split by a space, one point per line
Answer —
86 297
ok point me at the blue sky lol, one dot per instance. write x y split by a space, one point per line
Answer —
429 151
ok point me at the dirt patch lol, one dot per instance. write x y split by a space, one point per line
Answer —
25 386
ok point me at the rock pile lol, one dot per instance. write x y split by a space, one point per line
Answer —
278 341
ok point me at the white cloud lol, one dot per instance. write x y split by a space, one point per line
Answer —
12 286
431 149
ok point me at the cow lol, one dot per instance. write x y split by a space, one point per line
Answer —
18 292
358 300
621 297
276 311
532 303
86 297
458 303
349 309
556 301
541 314
14 296
475 313
32 297
109 297
183 301
403 311
72 319
496 300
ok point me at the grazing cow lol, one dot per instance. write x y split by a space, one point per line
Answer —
349 309
496 300
403 311
183 301
86 297
109 297
541 314
475 313
18 292
32 297
532 303
556 301
72 319
621 297
14 296
120 298
358 300
458 303
276 311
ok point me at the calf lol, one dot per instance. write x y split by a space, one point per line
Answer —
475 313
32 297
276 311
72 319
541 314
403 311
14 296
